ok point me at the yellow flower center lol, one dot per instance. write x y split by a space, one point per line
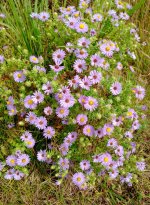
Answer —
82 119
29 142
88 130
91 102
12 161
84 4
107 48
76 15
62 111
48 132
81 26
30 102
19 75
12 110
79 179
23 160
63 163
68 9
8 102
34 58
129 114
108 129
106 159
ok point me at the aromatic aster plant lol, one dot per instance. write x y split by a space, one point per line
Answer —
80 110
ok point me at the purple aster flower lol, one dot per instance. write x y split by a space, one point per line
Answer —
139 92
97 18
11 125
112 143
91 103
57 68
78 179
105 159
79 65
49 132
82 99
95 60
37 97
81 119
26 136
144 107
28 102
65 90
108 129
18 175
83 42
114 173
135 125
93 32
63 163
11 160
43 16
47 88
58 56
119 66
10 102
99 133
12 110
23 160
97 158
124 16
85 83
30 143
9 174
62 112
128 134
116 88
119 150
69 47
117 121
131 114
85 165
106 50
67 101
71 22
41 123
81 53
74 82
119 4
34 15
95 77
64 148
1 59
31 118
71 137
140 166
88 130
48 111
81 27
34 59
19 76
41 155
103 64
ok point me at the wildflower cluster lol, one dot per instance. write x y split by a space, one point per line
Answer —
79 112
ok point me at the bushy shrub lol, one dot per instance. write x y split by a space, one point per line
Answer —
77 107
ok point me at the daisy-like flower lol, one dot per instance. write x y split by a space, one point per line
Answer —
81 53
131 114
93 32
12 110
48 111
106 159
99 133
79 65
65 90
128 134
69 47
18 175
95 60
11 160
82 99
112 143
62 112
95 77
67 101
108 129
135 125
71 22
116 88
81 27
1 59
140 166
85 83
31 118
41 123
91 103
106 50
19 76
124 16
119 150
85 165
78 179
41 155
49 132
29 103
97 18
10 102
37 97
34 15
58 56
26 136
139 92
56 68
74 82
88 130
47 88
81 119
117 121
64 148
119 66
23 160
104 64
71 137
97 158
83 42
30 143
114 173
9 174
34 59
43 16
63 163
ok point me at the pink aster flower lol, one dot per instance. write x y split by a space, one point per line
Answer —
91 103
82 99
63 163
30 143
65 90
85 165
81 53
67 101
34 59
97 158
28 102
11 160
99 133
119 150
114 173
112 143
41 123
19 76
106 50
9 174
139 92
74 82
58 56
117 121
26 136
48 111
18 175
64 148
81 27
95 77
71 22
12 110
47 88
78 179
41 155
106 159
71 137
81 119
108 129
85 83
56 68
119 66
31 118
37 97
116 88
10 102
128 134
49 132
88 130
97 18
23 160
131 114
83 42
95 60
62 112
79 65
